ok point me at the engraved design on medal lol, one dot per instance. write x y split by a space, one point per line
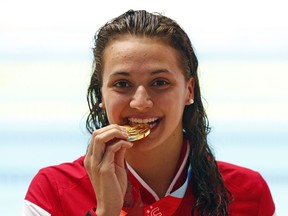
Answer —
137 131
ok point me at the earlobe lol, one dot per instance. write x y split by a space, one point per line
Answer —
102 104
190 89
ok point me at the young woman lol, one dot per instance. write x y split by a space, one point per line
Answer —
145 73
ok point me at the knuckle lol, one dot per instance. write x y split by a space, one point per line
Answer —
97 139
87 165
95 133
86 162
115 127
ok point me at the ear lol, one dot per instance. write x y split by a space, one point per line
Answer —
190 91
102 104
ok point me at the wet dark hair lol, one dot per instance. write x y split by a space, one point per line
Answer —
212 197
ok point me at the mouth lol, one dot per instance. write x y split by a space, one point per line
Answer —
152 122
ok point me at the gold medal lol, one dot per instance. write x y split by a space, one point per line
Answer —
137 131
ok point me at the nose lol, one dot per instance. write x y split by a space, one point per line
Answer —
141 99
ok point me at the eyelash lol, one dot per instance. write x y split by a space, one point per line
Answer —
155 83
162 82
122 84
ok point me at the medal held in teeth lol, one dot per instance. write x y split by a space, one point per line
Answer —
137 131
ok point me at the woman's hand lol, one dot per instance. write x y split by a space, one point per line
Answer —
105 165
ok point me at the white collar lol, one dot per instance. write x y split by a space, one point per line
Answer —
180 191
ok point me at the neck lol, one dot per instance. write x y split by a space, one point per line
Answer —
156 167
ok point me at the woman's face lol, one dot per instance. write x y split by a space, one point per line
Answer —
143 81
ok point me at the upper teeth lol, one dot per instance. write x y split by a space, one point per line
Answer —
141 121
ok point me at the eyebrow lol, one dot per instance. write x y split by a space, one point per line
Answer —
123 73
160 71
119 73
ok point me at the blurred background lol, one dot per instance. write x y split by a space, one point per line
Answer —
45 66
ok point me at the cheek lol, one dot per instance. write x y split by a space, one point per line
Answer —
173 104
171 99
113 107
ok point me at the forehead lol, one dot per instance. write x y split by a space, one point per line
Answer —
129 49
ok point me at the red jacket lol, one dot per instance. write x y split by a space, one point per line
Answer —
66 190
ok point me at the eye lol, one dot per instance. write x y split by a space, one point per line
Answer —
160 82
122 84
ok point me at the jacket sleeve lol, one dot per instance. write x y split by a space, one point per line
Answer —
266 203
42 196
31 209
